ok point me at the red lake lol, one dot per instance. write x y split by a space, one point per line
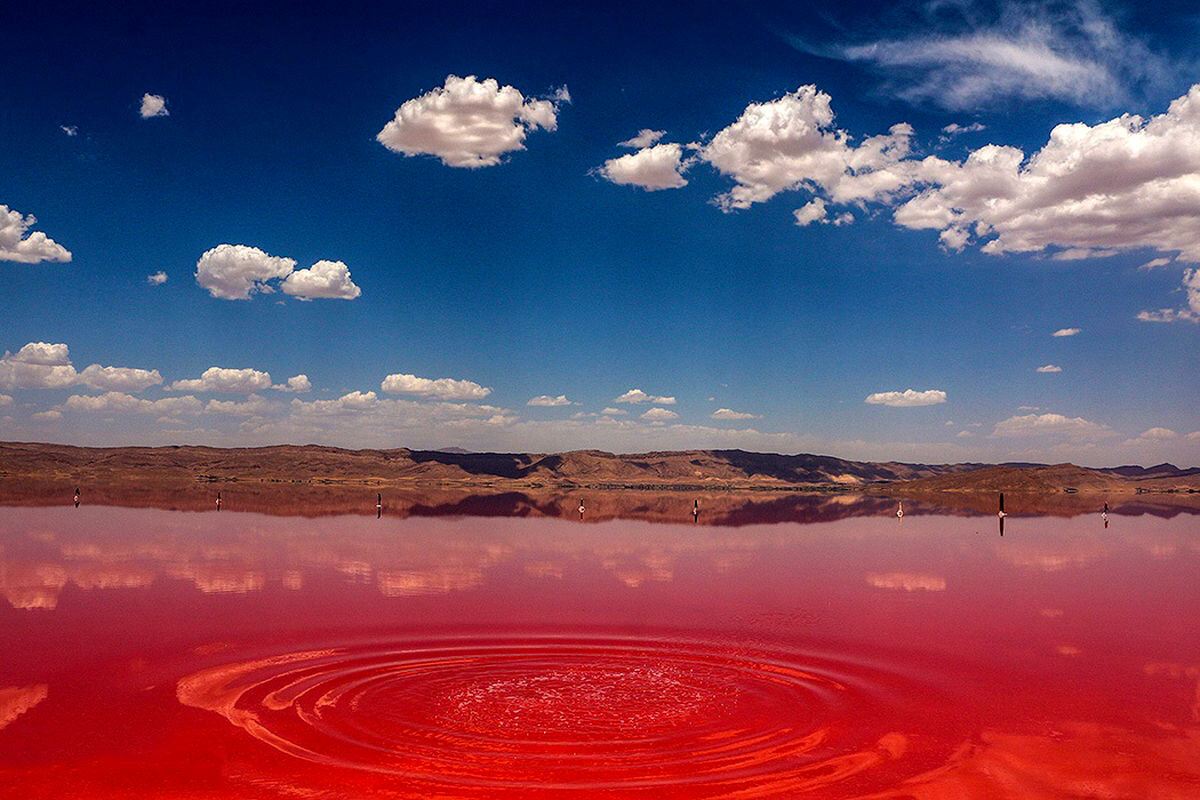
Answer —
165 654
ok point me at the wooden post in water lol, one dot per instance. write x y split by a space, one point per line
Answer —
77 497
379 505
218 501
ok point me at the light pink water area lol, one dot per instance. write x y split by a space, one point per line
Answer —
200 655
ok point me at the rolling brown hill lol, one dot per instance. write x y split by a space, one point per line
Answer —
710 469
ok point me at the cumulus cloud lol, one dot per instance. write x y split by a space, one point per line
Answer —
468 122
32 249
157 278
1050 368
656 167
154 105
45 365
728 413
813 211
1066 332
298 384
37 365
1158 433
637 396
253 406
613 412
127 379
42 354
908 398
963 59
122 403
225 381
1193 436
46 416
548 401
325 279
5 400
350 402
235 271
442 388
1049 425
1124 184
790 142
659 415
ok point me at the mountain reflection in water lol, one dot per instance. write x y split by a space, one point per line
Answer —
707 507
268 656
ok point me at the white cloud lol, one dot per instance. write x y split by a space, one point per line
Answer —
791 142
235 271
1049 368
645 137
351 402
1158 433
963 60
253 406
46 416
1125 184
908 398
43 354
32 249
1193 436
157 278
43 365
614 412
5 400
443 388
954 129
467 122
1067 332
813 211
154 105
1155 263
659 415
325 279
637 396
297 383
1168 315
1049 424
37 365
226 381
1082 253
652 168
122 403
548 401
69 130
728 413
128 379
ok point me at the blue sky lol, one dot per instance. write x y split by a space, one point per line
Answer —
852 229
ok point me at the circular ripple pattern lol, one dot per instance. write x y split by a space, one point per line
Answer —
555 713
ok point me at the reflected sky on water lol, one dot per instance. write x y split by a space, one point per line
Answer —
265 655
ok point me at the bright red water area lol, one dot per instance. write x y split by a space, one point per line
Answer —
203 655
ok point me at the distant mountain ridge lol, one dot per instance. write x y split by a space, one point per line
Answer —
587 468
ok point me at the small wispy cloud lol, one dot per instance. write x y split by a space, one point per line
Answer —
1067 332
967 57
1049 368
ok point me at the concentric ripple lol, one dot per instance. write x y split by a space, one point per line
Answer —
571 712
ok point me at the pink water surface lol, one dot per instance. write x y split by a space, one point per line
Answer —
177 654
